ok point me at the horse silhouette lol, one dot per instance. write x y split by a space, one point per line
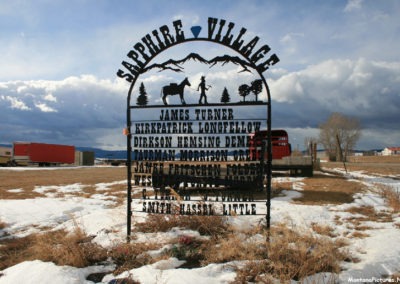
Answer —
174 89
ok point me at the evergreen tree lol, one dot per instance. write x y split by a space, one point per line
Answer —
142 99
225 98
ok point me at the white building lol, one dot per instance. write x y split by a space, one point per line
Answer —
390 151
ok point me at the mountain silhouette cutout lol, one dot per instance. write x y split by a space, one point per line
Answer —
194 57
175 65
230 59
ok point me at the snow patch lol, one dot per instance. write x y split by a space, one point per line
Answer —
33 272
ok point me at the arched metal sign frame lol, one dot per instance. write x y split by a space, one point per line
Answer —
169 42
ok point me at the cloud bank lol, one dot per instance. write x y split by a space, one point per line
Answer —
87 111
83 111
337 56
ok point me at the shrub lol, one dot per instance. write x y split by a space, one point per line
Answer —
14 250
130 255
63 248
294 255
391 195
205 225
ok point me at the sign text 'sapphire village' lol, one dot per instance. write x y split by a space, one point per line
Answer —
218 31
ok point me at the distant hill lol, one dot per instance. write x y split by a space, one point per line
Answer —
6 145
98 153
121 154
104 154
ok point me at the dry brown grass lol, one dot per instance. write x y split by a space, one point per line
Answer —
13 251
322 189
27 180
3 225
283 185
369 214
87 178
205 225
377 165
125 281
374 159
131 255
290 254
358 234
293 255
185 247
363 228
323 230
391 196
338 221
322 182
362 214
62 248
73 249
233 247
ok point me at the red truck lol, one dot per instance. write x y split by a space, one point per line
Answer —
25 153
279 141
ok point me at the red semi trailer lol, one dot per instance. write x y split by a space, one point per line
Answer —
279 141
25 153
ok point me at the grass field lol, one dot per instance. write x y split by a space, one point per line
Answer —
330 218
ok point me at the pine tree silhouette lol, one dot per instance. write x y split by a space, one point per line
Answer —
225 98
142 99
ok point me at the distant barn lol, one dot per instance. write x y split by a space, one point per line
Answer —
391 151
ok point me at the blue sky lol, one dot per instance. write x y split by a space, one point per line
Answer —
59 60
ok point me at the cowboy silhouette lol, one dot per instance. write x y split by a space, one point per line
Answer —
203 88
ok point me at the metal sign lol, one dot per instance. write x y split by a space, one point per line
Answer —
198 154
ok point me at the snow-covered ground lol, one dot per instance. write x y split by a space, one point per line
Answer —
379 253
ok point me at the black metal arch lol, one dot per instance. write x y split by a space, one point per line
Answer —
129 124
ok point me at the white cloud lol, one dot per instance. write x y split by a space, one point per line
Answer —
312 79
50 98
109 139
286 88
21 89
290 42
290 37
74 106
353 5
44 108
297 136
16 103
361 88
89 111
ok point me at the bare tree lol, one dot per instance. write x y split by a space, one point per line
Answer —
339 135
